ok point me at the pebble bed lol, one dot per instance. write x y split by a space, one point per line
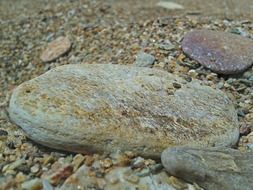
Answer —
102 32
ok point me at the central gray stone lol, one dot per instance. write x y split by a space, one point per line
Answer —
105 108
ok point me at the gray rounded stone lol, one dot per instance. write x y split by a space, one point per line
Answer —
144 60
212 168
105 108
221 52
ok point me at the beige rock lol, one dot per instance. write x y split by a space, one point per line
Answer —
55 49
77 161
105 108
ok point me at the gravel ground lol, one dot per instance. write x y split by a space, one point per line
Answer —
106 32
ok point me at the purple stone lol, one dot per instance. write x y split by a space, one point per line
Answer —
221 52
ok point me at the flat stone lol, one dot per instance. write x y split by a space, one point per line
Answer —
106 108
211 168
144 60
166 45
221 52
55 49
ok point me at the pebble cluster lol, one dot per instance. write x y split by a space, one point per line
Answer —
117 33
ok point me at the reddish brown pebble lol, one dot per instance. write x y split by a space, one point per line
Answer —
61 174
55 49
221 52
245 129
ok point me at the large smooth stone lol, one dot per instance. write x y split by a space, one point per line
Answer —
221 52
211 168
104 108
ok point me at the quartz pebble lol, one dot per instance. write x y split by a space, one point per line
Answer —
55 49
106 107
138 162
35 168
169 5
106 163
221 52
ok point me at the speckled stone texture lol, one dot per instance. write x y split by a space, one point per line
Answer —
211 168
221 52
105 108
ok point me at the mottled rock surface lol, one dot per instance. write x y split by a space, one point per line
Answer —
104 108
55 49
211 168
221 52
144 60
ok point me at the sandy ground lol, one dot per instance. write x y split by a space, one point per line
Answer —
13 9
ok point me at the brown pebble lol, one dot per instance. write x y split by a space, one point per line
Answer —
48 159
89 160
55 49
221 52
244 129
20 177
122 161
130 154
61 174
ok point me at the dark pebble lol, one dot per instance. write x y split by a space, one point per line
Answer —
176 85
221 52
3 132
240 113
99 174
10 145
24 169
